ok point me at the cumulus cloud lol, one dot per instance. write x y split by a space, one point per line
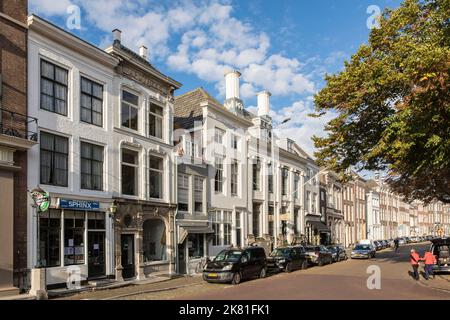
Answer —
50 7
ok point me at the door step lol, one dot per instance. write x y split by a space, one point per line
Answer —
6 292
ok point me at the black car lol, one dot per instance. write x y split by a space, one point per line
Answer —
319 255
287 259
440 247
338 253
363 251
235 265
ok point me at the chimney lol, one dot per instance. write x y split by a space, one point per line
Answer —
264 103
143 52
117 35
232 84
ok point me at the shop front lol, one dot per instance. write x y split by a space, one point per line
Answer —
143 239
75 241
192 248
316 231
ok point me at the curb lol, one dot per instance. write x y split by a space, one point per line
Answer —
151 291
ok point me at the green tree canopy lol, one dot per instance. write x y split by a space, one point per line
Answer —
393 103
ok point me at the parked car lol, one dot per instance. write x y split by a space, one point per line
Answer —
338 253
401 241
378 245
441 249
318 255
234 265
363 251
386 244
287 259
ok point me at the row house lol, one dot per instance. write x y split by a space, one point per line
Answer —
17 136
374 226
354 204
255 186
331 208
104 157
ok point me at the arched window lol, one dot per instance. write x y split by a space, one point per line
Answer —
154 241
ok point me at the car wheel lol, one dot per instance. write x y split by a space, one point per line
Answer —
263 273
236 278
288 268
304 265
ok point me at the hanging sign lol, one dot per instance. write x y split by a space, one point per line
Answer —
41 199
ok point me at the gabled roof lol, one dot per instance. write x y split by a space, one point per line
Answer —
188 110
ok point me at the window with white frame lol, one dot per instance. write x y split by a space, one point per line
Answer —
284 181
91 107
238 229
256 175
215 218
198 186
156 175
155 121
218 179
227 220
270 178
313 202
219 135
234 142
129 115
296 185
183 193
308 201
234 177
130 167
54 88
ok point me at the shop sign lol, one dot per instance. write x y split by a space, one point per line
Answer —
79 205
41 199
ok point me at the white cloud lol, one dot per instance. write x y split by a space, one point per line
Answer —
301 127
49 7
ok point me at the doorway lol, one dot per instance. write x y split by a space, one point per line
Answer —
128 264
96 254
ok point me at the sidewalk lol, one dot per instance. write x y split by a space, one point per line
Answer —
441 282
121 290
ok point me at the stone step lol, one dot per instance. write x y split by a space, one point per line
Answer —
6 292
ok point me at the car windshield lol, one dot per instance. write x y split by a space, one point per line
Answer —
228 255
362 247
282 252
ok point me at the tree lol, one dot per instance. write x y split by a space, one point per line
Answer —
392 102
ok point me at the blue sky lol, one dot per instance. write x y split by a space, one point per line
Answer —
283 46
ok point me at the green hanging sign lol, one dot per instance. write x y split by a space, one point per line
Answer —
41 199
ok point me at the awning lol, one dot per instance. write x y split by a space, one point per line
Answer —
320 226
185 230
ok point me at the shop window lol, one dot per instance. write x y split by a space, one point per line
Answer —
154 242
227 229
238 229
50 238
74 237
96 221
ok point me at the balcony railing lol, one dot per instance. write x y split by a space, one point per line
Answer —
18 125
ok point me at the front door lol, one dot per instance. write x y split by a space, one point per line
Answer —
96 254
128 265
182 258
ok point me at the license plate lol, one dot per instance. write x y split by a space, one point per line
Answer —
213 275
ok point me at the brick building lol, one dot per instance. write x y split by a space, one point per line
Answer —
15 139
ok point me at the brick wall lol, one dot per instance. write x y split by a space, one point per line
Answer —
13 66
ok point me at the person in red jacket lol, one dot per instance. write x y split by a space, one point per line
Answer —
429 259
414 258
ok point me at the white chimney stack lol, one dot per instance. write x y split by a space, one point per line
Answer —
264 103
143 52
117 35
232 84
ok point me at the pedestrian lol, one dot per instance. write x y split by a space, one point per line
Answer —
414 259
396 244
429 259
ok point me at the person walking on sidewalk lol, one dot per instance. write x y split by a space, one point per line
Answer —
429 260
414 258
